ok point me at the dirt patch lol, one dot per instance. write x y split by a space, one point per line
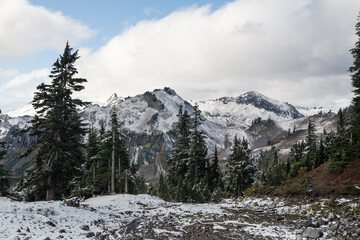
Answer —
348 182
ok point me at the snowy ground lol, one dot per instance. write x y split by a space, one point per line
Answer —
146 217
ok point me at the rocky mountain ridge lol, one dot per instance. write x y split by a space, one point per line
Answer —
147 119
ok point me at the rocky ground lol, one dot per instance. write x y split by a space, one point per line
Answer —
147 217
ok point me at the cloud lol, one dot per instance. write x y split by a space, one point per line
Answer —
23 79
150 11
296 51
21 87
28 29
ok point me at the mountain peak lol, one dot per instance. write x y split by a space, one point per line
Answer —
112 100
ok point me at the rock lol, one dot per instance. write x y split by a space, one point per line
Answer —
331 216
47 238
85 227
334 227
132 226
62 231
357 231
50 223
311 222
345 233
313 233
90 234
28 229
72 202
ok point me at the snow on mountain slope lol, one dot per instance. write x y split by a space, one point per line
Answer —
6 123
306 111
26 110
154 113
244 109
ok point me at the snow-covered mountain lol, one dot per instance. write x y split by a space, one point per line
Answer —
147 119
310 111
241 111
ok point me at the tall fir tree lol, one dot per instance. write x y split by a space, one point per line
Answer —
178 162
198 160
59 147
355 78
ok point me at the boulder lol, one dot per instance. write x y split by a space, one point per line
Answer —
312 233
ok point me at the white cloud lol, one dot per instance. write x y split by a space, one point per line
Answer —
28 29
297 51
21 88
24 79
8 73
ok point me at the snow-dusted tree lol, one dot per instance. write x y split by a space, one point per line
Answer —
178 163
240 168
198 160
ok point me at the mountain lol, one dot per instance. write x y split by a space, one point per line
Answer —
147 120
243 110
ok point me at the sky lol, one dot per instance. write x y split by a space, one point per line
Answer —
291 50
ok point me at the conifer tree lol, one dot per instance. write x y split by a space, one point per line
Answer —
178 163
215 176
241 169
163 191
59 129
310 146
198 161
355 77
92 149
4 175
340 148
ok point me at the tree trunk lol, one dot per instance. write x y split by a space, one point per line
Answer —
94 175
119 172
51 189
113 163
126 182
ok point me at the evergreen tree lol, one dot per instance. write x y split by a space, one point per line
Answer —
274 172
340 148
163 191
321 156
310 146
355 77
241 170
59 148
215 176
113 170
92 149
180 153
4 175
198 161
103 167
